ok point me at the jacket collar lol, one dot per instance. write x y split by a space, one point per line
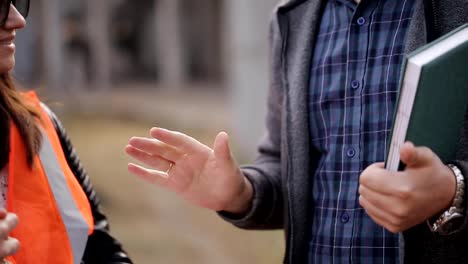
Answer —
285 5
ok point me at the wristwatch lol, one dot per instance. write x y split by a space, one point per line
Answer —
452 219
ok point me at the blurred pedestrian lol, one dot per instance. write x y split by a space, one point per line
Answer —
334 80
50 212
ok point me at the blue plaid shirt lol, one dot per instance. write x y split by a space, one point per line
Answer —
355 72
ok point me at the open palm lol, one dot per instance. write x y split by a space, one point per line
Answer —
207 177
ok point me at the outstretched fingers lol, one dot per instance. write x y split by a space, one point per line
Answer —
155 147
153 161
178 140
152 176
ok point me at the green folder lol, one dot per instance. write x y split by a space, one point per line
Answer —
433 98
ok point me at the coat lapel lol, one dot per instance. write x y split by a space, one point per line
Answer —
417 32
298 28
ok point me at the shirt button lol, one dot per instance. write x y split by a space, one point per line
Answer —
361 21
351 152
355 84
344 218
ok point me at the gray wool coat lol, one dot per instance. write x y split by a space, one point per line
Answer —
281 173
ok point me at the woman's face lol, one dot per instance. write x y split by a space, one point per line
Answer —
7 39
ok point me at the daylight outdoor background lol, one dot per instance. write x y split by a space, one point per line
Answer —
112 69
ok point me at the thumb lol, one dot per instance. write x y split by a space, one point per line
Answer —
221 146
415 156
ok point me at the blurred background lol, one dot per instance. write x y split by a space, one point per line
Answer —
112 69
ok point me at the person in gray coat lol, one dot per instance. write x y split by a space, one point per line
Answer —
335 67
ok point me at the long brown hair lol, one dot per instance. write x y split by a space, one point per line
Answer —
25 117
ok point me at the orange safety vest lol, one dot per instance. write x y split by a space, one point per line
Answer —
54 213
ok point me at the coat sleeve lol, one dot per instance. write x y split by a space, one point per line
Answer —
267 208
101 246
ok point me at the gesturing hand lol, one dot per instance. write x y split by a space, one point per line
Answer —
401 200
207 177
8 245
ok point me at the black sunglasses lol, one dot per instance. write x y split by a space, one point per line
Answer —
21 5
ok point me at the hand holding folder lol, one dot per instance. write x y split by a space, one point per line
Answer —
433 99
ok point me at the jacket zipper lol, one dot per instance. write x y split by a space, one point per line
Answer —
435 19
432 20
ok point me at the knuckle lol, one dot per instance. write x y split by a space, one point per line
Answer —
361 201
404 192
401 214
15 246
393 229
4 230
9 247
14 219
395 225
365 177
361 190
428 152
393 220
364 201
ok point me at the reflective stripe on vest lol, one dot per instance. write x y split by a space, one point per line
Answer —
75 223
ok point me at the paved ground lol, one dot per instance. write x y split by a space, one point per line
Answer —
155 225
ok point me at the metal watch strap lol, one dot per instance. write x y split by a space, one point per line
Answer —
456 209
460 193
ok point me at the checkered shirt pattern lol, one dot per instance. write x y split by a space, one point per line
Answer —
355 74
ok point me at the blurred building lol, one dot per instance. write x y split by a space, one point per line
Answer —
145 40
72 46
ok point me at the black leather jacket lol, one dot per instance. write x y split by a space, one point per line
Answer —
102 248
